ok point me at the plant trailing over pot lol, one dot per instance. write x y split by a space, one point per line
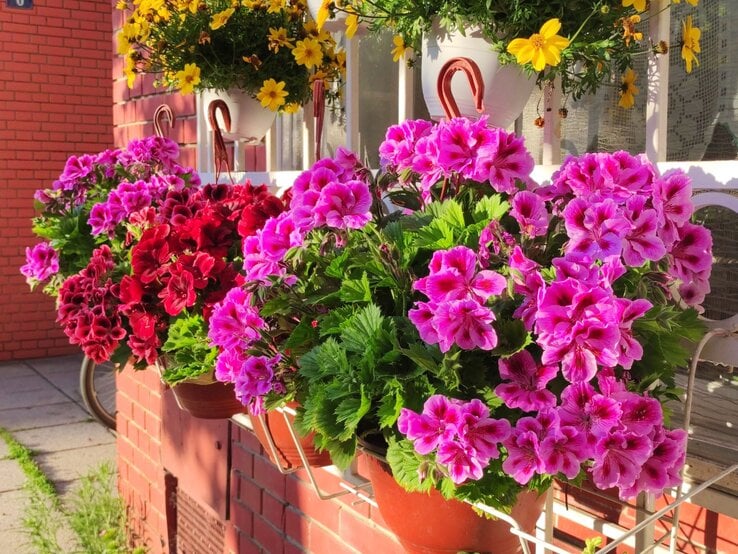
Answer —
270 50
586 42
496 332
138 253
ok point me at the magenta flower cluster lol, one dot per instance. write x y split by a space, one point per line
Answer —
42 261
332 194
459 148
458 291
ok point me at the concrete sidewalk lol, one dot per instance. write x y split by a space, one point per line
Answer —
40 405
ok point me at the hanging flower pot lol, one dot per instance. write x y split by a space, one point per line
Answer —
249 120
204 397
273 425
507 88
431 524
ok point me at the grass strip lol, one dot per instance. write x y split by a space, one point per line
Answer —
35 476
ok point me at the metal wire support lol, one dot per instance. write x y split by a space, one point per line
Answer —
443 85
163 113
220 153
358 489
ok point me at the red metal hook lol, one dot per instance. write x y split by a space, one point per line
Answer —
476 82
160 114
220 153
318 113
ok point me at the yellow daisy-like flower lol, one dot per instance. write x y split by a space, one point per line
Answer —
692 2
121 5
275 6
400 47
129 70
308 53
629 29
542 48
188 78
690 43
292 107
323 13
278 39
312 30
272 94
638 5
628 90
221 18
352 22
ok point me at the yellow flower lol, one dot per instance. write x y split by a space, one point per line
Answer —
278 39
292 107
399 50
690 43
639 5
628 90
308 53
129 70
221 18
275 6
121 5
352 22
188 78
692 2
272 94
323 13
312 30
541 48
629 29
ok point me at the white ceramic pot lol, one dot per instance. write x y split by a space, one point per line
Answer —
335 25
507 88
249 119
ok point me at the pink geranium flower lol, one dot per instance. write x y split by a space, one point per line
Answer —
344 205
438 423
466 324
527 387
529 211
619 457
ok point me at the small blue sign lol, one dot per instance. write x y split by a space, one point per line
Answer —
20 4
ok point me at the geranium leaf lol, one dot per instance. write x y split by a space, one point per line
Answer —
407 466
490 208
356 290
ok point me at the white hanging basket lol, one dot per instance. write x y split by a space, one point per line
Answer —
250 121
507 88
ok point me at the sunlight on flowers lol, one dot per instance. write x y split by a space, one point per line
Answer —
542 48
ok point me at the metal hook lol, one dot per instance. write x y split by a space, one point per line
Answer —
476 82
220 153
318 113
160 114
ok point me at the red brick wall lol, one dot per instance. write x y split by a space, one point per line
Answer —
55 100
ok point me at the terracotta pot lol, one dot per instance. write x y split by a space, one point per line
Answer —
430 524
249 119
211 400
287 453
507 88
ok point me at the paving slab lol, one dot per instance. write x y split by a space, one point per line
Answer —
4 451
42 416
8 370
68 465
27 381
15 541
11 476
64 437
59 364
25 398
12 505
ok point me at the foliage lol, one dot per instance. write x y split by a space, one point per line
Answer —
496 332
223 45
601 37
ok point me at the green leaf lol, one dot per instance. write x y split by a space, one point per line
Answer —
408 466
279 305
490 208
426 357
338 266
435 236
356 290
301 335
349 412
512 336
327 359
389 408
363 329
